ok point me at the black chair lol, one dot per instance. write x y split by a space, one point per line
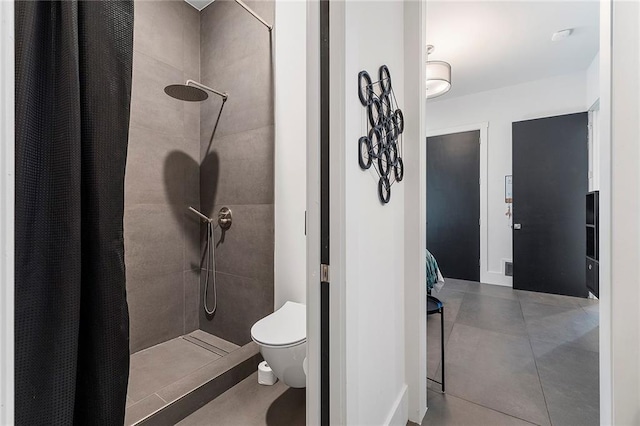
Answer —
435 306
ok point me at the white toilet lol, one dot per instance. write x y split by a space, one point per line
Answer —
282 337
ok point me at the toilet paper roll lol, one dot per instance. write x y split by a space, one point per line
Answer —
265 374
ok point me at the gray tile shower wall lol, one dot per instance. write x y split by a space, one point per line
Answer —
237 163
162 176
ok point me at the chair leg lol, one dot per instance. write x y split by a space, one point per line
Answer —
442 344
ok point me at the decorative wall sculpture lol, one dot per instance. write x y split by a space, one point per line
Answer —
382 145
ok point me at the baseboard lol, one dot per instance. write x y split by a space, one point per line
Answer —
424 416
399 415
497 278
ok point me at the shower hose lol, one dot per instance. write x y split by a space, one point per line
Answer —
211 271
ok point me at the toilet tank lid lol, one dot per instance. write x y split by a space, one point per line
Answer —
286 326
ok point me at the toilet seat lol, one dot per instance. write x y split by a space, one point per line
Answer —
284 328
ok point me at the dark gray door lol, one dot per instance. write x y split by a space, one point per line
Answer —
453 203
550 180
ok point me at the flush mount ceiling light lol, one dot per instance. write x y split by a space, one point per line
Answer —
561 35
438 76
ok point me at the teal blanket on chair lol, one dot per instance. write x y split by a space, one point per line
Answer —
432 270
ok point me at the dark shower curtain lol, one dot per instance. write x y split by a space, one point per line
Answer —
73 90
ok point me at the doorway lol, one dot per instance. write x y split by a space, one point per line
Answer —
491 330
453 203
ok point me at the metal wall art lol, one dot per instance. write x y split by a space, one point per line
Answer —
382 145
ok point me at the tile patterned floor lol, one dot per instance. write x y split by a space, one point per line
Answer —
251 404
513 358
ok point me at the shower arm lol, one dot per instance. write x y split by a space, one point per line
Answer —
223 95
255 15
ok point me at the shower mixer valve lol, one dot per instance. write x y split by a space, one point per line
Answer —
225 218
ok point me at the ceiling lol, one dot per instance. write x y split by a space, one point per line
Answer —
199 4
492 44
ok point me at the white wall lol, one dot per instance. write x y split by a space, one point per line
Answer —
290 152
625 213
374 233
593 105
7 194
594 148
500 108
593 82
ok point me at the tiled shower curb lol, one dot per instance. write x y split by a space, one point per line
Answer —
194 391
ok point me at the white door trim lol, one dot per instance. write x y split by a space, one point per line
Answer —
415 162
313 213
337 215
7 197
486 276
606 381
624 226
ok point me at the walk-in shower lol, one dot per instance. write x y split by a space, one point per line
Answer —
194 289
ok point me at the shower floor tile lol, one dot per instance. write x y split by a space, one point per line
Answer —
158 366
162 365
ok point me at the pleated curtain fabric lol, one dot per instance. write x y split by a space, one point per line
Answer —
73 92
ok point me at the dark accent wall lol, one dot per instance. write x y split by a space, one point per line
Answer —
237 164
161 238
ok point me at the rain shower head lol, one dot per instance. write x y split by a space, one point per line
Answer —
182 92
192 91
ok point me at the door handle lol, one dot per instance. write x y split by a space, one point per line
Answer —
517 226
